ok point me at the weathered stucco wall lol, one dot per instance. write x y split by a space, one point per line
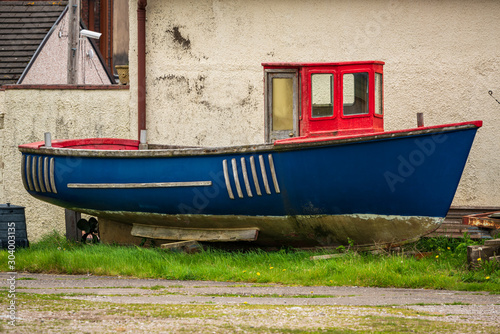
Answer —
66 113
2 114
205 80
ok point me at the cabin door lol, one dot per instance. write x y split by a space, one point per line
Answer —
282 105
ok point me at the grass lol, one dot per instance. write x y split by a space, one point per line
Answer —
444 268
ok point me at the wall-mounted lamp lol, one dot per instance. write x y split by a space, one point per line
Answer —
90 34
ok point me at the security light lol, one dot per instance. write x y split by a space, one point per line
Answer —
90 34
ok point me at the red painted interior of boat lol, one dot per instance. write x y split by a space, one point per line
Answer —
90 144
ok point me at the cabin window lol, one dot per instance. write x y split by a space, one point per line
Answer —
322 95
378 94
355 93
282 104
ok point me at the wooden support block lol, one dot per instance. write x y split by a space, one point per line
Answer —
492 243
495 258
197 234
183 246
325 257
72 231
477 254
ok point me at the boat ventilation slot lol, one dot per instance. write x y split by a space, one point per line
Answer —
38 174
241 179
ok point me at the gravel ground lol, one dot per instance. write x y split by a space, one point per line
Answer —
96 304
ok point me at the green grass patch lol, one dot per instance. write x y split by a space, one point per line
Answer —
444 268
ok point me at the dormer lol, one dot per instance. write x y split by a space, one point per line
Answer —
323 99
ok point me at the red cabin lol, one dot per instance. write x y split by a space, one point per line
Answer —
323 99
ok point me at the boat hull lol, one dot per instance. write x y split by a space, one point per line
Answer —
378 189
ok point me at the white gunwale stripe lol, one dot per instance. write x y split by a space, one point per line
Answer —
139 185
254 176
40 175
34 172
226 178
264 174
236 178
23 171
46 173
273 174
245 177
52 177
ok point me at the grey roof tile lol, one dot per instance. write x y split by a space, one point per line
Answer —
23 26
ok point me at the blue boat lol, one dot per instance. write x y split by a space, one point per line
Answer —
315 182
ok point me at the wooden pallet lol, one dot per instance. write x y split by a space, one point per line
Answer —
453 227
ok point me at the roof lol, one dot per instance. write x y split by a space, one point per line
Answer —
23 27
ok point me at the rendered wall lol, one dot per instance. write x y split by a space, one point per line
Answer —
66 113
205 80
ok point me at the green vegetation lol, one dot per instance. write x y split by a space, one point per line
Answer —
443 266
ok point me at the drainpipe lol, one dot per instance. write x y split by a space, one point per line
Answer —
141 65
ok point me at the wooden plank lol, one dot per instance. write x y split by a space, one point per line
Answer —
326 256
183 246
197 234
492 243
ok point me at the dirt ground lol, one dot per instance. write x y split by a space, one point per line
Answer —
96 304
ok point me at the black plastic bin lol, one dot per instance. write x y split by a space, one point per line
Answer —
13 224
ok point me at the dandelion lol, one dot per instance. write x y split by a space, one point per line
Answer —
437 256
244 271
487 277
245 303
271 267
479 259
331 281
258 274
312 291
448 248
284 269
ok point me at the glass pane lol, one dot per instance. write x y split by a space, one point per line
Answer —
355 93
378 94
282 103
322 95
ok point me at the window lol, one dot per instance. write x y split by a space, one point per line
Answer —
378 94
322 95
355 93
282 104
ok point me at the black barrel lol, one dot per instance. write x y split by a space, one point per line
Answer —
13 226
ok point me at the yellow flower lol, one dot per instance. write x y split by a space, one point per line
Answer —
437 256
284 269
244 271
447 247
245 303
487 277
479 259
331 281
271 267
258 274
